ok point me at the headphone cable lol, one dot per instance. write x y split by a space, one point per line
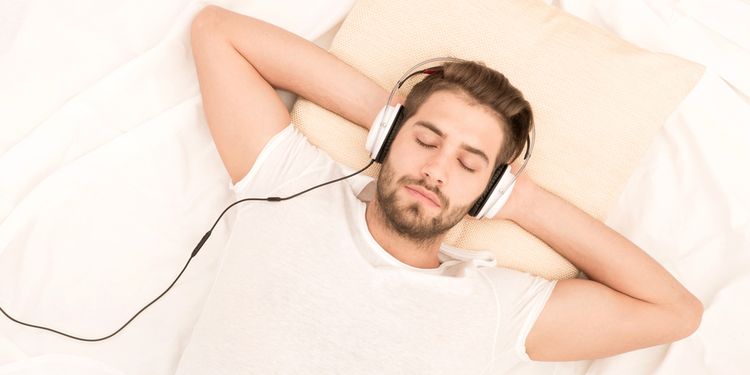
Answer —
193 254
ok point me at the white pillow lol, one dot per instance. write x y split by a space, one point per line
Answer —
598 100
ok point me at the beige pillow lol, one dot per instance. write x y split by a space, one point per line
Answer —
598 100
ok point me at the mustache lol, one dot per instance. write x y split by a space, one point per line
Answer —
410 181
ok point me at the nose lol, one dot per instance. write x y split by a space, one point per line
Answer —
435 169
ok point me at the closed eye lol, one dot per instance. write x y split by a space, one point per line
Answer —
425 145
467 168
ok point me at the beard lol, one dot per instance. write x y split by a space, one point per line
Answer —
410 219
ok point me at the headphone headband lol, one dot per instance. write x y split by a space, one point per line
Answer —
414 70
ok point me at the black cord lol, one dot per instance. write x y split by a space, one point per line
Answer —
193 254
106 337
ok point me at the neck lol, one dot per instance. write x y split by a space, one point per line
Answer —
414 253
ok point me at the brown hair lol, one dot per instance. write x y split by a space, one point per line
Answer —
484 86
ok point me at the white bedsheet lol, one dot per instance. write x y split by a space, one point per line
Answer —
109 177
688 203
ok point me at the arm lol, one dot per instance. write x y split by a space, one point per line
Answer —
630 301
240 60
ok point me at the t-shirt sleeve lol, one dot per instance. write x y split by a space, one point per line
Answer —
521 297
286 156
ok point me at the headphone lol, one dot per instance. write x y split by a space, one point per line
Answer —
383 131
388 122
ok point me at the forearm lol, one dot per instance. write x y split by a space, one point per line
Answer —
603 254
292 63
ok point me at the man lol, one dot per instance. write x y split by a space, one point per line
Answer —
372 289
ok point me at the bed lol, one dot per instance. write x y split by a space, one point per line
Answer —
109 178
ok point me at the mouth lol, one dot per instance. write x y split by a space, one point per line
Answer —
424 195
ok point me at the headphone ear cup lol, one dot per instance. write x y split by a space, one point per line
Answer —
393 129
490 194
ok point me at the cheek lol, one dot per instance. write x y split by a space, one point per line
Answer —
405 160
460 196
469 189
401 148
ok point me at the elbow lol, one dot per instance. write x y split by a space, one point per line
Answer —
697 315
691 316
206 18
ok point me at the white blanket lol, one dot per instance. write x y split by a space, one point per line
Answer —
109 177
688 203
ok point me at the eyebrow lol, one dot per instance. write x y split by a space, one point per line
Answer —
464 146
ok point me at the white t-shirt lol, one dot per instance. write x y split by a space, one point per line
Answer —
304 288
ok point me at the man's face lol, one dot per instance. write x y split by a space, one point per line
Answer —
433 151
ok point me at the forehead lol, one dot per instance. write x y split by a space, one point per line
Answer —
460 121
